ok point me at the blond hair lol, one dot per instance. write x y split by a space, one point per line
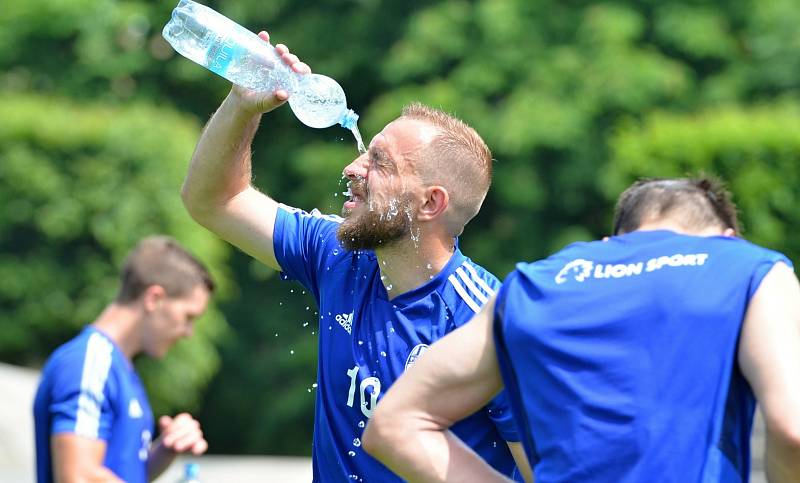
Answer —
457 159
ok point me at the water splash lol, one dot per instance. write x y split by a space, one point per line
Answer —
359 142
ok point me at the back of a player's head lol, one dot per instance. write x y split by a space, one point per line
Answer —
458 159
161 260
695 203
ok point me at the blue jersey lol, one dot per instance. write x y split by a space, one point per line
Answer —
619 358
89 388
366 341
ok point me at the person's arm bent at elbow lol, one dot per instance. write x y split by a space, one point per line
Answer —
217 191
769 356
77 459
408 431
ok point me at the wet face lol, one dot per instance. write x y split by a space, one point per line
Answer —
382 185
171 319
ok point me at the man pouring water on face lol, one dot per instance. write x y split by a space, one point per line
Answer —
388 276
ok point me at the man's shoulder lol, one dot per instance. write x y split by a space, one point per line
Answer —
314 214
87 348
466 287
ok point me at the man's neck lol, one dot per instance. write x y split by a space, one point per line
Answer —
120 324
407 265
674 225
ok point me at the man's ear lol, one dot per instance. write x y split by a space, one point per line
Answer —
729 232
153 297
434 204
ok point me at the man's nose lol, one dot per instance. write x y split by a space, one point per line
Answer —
356 169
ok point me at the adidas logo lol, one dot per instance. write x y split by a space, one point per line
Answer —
134 409
346 321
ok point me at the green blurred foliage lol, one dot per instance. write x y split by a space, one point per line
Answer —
576 99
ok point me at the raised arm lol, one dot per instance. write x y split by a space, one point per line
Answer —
769 356
217 191
456 377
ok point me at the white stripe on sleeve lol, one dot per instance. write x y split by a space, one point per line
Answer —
96 365
463 293
471 286
478 279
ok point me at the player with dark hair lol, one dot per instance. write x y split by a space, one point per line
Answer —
637 358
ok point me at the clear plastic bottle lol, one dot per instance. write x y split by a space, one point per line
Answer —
191 472
230 50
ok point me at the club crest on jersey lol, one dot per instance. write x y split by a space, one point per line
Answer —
579 268
135 409
415 354
346 321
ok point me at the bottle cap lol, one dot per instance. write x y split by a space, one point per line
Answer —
191 470
349 119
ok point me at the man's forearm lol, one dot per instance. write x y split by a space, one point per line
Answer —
432 456
220 167
158 460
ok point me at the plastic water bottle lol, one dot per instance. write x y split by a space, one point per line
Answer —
190 473
230 50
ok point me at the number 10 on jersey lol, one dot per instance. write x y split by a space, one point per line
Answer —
366 405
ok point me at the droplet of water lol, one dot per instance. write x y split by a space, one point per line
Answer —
352 453
361 342
361 424
314 385
356 442
307 307
276 334
429 266
335 251
291 351
305 324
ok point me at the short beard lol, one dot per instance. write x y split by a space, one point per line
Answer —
376 228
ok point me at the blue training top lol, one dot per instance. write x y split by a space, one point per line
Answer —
619 358
89 388
366 341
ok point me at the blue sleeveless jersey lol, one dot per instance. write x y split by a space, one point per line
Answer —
619 358
366 341
89 388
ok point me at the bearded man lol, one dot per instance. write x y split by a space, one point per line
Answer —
389 278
